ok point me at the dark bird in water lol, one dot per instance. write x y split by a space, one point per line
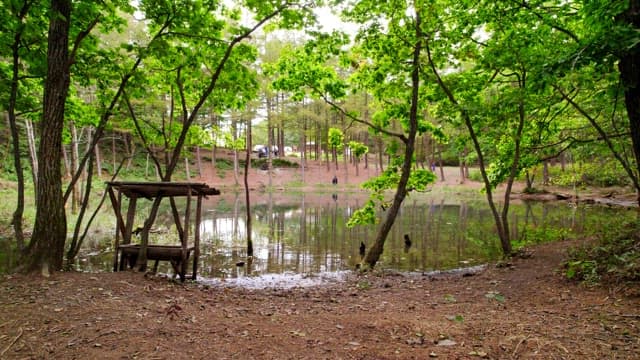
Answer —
407 241
363 248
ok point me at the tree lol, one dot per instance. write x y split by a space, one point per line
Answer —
18 34
336 139
220 72
359 149
629 58
385 63
169 25
605 38
50 231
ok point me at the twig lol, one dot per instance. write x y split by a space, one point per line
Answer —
515 351
637 316
11 343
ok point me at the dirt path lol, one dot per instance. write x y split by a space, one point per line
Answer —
526 310
318 176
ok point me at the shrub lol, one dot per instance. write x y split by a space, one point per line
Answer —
615 258
277 162
606 173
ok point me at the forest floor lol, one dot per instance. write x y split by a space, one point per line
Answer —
521 309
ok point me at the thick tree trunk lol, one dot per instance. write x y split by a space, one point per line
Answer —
629 67
46 249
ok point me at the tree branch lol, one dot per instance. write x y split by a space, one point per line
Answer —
625 164
81 36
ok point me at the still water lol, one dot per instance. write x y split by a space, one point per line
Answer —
305 236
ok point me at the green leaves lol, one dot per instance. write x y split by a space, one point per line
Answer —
302 70
495 295
335 138
358 148
419 180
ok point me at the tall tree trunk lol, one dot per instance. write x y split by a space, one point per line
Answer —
199 160
46 249
130 144
247 163
33 149
234 128
303 145
75 194
629 67
146 167
503 234
380 144
441 165
270 138
345 164
113 152
67 162
90 136
374 253
74 247
16 220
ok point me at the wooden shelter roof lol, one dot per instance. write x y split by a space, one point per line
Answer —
150 190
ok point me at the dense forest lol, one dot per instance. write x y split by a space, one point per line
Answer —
90 89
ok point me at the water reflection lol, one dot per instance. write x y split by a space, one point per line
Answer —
308 235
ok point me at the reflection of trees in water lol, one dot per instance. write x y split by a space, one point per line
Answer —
308 237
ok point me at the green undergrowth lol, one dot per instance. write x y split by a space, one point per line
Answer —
598 174
614 258
601 174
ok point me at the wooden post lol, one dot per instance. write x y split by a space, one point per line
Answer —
185 239
131 213
196 237
176 218
115 202
116 209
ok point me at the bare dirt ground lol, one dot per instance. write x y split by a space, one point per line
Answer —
521 311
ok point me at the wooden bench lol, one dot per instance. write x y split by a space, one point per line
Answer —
173 253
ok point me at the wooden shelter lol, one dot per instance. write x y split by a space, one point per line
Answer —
178 255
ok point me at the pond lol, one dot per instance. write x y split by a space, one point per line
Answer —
303 236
